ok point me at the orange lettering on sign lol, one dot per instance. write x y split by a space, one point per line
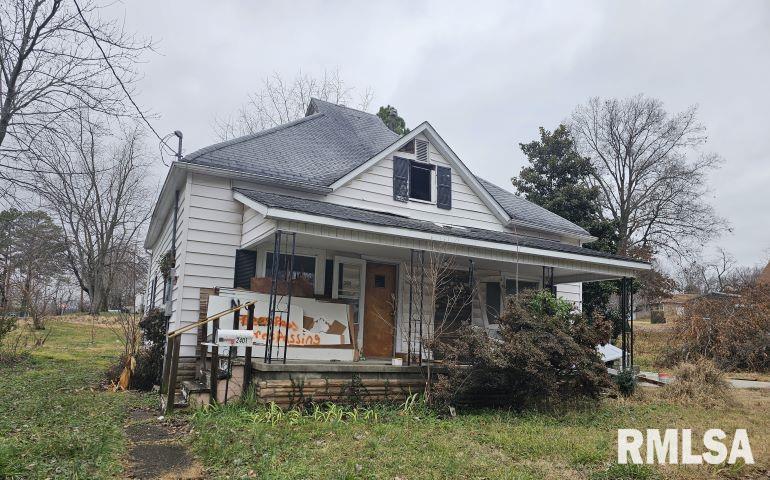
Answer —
294 338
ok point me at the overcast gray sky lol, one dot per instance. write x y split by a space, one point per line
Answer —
485 74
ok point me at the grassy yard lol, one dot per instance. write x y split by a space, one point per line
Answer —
56 423
54 420
575 444
650 340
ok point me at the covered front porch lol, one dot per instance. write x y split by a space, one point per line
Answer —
338 309
390 282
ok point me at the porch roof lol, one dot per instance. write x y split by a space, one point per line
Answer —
359 215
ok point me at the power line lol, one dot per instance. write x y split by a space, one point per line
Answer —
120 81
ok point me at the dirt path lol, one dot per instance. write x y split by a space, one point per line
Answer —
156 448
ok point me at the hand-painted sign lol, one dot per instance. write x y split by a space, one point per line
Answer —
314 329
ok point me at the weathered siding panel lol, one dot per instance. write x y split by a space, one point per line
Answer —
163 245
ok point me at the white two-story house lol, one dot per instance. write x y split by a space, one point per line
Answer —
363 203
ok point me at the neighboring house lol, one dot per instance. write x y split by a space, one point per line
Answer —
360 199
670 307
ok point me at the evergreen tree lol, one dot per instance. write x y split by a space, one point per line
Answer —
558 179
391 119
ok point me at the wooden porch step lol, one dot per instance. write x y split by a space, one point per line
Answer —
193 386
179 400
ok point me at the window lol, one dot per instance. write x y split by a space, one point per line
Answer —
167 286
348 273
420 181
304 267
494 302
510 286
153 291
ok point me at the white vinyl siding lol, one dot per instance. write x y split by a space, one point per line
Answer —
255 227
373 189
214 223
572 292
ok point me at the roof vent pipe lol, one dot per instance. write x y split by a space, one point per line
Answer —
179 149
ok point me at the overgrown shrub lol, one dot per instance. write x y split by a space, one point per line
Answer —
546 354
149 358
700 383
657 316
733 331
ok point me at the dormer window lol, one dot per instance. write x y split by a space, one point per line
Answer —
421 181
417 179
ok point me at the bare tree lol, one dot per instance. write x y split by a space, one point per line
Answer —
445 305
96 188
281 101
57 58
649 186
718 273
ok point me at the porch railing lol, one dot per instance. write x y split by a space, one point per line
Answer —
174 342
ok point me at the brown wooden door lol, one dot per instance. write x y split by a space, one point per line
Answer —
379 321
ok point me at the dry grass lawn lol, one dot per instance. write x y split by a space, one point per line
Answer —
650 340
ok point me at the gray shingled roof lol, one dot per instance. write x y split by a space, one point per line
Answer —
316 150
370 217
329 142
529 213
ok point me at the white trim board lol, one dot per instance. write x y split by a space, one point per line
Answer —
448 239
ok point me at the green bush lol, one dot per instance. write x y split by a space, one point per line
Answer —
546 354
626 382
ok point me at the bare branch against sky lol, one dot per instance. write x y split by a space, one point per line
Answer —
56 59
486 78
282 100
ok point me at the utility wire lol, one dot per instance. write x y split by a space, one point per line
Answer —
120 81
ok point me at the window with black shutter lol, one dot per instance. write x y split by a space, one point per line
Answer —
153 291
420 181
245 268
